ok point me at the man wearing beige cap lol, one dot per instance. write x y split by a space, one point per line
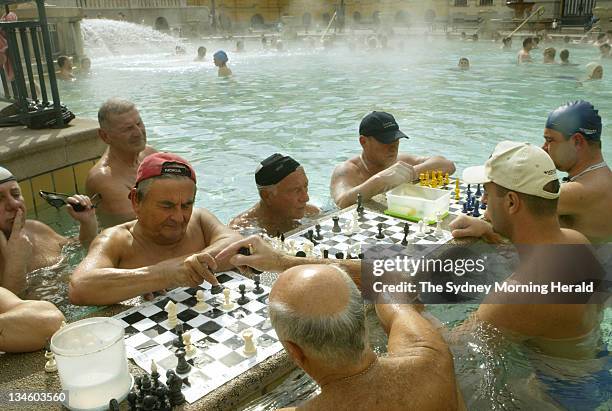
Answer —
521 192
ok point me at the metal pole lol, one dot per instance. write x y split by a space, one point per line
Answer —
39 67
28 62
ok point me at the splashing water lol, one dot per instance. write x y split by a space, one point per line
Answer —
110 38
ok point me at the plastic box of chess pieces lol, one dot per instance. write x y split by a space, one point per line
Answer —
415 202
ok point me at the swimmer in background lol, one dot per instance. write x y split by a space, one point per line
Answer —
264 42
239 46
507 43
65 66
464 64
85 66
564 56
604 51
594 71
220 59
201 54
523 55
549 55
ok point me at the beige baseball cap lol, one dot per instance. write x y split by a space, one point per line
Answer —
519 167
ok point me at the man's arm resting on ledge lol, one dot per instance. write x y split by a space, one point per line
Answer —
345 186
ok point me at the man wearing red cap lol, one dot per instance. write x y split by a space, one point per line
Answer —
168 245
122 129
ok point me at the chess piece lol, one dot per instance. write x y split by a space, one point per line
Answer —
446 180
154 374
380 234
174 384
248 251
183 366
469 189
227 304
258 289
200 306
146 386
170 308
50 365
249 344
132 397
438 232
406 232
308 249
421 229
336 228
178 341
339 255
282 237
300 254
465 208
421 179
113 405
478 192
318 230
476 212
216 289
162 396
243 298
359 204
325 253
190 349
483 206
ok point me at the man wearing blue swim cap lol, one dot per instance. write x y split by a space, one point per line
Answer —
380 168
573 140
220 59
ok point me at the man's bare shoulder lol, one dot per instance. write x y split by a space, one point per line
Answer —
411 159
98 176
350 166
41 230
147 151
119 235
243 219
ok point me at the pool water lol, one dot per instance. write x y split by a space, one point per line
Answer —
307 103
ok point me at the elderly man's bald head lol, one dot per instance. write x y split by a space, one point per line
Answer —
319 308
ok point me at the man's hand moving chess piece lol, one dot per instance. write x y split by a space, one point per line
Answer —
398 173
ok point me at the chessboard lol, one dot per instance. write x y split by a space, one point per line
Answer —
456 206
350 239
216 334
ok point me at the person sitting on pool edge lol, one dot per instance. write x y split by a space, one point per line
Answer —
318 314
113 175
283 197
26 325
170 244
220 59
27 245
380 167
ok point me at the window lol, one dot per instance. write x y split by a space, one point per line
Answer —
486 2
461 3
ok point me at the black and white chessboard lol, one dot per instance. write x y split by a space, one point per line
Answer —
349 243
216 334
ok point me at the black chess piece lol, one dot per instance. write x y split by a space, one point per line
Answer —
361 256
406 232
465 208
318 229
359 204
162 396
311 237
113 405
149 403
325 253
247 251
339 255
155 377
300 254
476 212
478 192
183 366
243 298
132 397
336 228
483 206
178 341
257 289
216 289
146 385
469 189
174 388
380 234
138 382
282 237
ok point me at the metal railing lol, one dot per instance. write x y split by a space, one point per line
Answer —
32 85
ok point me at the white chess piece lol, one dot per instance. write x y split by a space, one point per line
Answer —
421 229
200 305
189 347
439 232
50 365
170 308
249 344
227 304
153 366
308 248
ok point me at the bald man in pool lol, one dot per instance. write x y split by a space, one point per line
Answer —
380 168
27 245
170 244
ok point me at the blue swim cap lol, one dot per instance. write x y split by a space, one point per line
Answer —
577 117
221 56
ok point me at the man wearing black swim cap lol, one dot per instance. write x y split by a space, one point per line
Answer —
380 167
283 197
573 140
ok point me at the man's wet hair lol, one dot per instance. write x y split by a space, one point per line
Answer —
527 41
111 106
564 55
538 206
61 60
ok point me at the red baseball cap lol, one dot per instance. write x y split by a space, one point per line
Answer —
158 164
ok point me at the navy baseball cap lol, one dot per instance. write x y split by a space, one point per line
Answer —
382 126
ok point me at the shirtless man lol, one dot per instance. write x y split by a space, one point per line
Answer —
573 140
27 245
379 167
317 313
26 325
523 55
169 244
522 189
65 66
114 174
220 59
283 197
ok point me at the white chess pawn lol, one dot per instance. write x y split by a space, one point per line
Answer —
249 345
170 308
189 347
308 248
50 365
439 232
421 229
200 305
227 304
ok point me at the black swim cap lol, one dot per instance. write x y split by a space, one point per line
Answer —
576 117
274 168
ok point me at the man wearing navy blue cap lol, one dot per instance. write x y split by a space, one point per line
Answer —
283 197
573 140
380 167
